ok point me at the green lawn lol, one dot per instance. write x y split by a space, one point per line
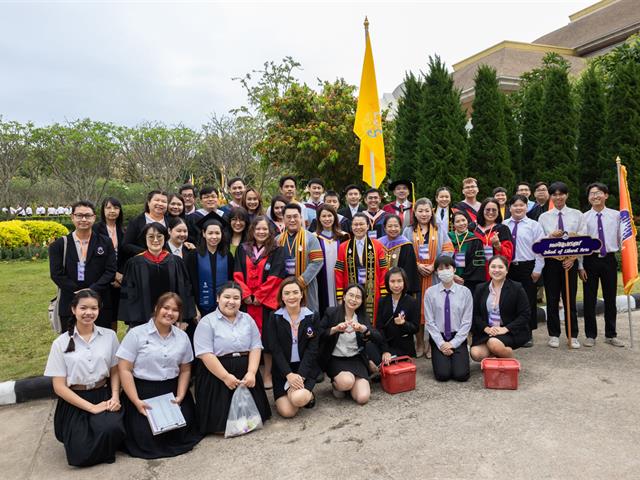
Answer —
25 334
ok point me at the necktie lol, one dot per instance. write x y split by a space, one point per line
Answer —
447 317
560 222
514 234
603 248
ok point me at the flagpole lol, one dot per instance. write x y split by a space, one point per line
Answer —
628 296
372 164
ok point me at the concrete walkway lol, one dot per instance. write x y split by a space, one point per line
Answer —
575 415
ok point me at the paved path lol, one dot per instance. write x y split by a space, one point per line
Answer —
576 415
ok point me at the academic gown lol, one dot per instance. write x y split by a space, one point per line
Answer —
260 277
374 262
399 253
192 267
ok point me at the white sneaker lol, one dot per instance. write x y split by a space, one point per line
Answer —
614 341
589 342
554 342
575 343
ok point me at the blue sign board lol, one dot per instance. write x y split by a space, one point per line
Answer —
566 246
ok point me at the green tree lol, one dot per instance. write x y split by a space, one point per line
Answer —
622 134
442 137
407 125
311 133
159 156
489 159
14 152
555 158
591 123
530 121
80 154
513 137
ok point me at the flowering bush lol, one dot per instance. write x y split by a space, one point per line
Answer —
13 235
28 239
44 232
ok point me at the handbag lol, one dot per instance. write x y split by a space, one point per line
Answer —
54 304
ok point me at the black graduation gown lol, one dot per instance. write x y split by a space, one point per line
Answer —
136 302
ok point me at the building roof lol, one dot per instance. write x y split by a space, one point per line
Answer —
596 27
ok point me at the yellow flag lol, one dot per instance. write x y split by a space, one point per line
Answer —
368 123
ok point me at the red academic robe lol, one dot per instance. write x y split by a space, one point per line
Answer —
260 277
374 263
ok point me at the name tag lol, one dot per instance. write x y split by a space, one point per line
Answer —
488 253
290 266
81 271
460 260
362 275
373 234
423 252
494 319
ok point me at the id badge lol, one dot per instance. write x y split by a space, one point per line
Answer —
290 266
373 234
81 271
423 252
460 260
494 319
488 253
362 275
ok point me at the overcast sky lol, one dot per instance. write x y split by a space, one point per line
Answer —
127 62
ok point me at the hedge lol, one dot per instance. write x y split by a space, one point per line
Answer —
28 238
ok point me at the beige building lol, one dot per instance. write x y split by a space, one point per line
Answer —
592 31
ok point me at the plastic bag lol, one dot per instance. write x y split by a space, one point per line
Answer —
244 416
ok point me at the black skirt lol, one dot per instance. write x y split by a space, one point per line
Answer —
355 365
279 380
213 398
141 442
89 438
507 339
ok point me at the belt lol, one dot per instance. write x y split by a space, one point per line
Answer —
235 354
90 386
523 262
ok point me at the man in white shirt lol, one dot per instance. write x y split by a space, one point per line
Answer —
526 266
604 224
555 223
353 195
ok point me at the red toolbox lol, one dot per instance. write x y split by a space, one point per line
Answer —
399 375
501 373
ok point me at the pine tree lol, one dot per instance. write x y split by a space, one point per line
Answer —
513 138
489 160
591 125
442 138
530 121
555 157
407 125
622 134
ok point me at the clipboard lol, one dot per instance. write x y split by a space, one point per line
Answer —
164 415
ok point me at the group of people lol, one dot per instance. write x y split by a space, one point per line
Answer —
28 211
236 296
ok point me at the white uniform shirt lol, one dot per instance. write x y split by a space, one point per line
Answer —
155 357
216 334
461 308
611 226
89 363
529 232
571 220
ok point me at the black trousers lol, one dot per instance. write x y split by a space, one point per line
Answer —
605 271
521 272
554 289
453 367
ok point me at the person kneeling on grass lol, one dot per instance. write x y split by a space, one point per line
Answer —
500 314
448 309
344 330
293 341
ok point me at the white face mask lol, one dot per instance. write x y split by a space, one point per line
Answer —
446 276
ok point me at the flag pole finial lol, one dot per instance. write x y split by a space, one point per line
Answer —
618 161
366 25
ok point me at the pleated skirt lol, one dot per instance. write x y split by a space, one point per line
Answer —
213 398
89 438
355 365
140 441
279 381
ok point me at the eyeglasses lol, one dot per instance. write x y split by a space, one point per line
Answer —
596 194
155 237
353 296
187 195
84 216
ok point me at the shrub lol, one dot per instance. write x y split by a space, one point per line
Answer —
44 232
132 210
13 234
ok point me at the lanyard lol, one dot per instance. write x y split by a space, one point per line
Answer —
487 237
84 247
463 240
290 247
